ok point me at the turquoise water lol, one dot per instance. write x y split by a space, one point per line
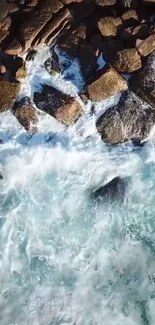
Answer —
64 258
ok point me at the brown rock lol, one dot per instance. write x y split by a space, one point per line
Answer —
54 25
104 3
147 46
31 27
66 2
131 119
61 106
2 69
127 61
32 3
8 94
80 31
109 26
109 84
3 34
5 24
110 48
13 47
141 31
21 72
130 15
26 114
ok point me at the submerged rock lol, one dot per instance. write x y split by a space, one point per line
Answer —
113 190
52 66
64 108
8 94
26 114
108 84
131 119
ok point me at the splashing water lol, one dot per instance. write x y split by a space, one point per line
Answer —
63 258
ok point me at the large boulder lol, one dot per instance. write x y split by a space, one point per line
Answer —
131 119
113 190
8 94
127 61
108 26
26 114
64 108
108 84
143 82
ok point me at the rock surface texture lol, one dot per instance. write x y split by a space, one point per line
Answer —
122 32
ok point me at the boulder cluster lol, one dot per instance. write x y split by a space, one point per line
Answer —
122 31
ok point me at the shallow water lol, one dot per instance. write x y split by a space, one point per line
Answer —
65 259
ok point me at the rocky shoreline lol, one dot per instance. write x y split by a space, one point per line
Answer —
121 31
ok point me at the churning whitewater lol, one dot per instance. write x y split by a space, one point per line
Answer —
64 258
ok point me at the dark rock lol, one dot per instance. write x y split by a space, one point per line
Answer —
105 3
133 4
26 114
143 82
127 61
108 84
131 119
52 66
61 106
31 55
114 190
1 176
1 141
110 48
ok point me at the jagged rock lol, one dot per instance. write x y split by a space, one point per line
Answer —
31 27
66 2
13 47
21 72
54 26
146 46
143 83
131 119
130 15
26 114
52 66
108 84
8 94
108 26
80 31
63 107
104 3
113 190
127 61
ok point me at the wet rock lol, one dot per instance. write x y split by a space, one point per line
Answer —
26 114
131 119
110 48
31 55
108 26
108 84
52 66
127 61
61 106
1 176
143 82
113 190
8 94
146 46
1 141
21 72
13 47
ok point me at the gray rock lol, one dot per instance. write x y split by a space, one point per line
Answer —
114 190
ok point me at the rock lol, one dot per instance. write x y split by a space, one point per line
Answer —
131 119
66 2
1 176
53 27
104 3
61 106
2 69
5 24
110 48
80 31
13 47
143 83
108 26
32 26
113 190
130 15
26 114
52 66
8 94
1 141
11 63
108 84
82 10
96 41
130 3
21 72
31 55
147 46
127 61
141 31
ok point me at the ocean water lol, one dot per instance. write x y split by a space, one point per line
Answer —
64 258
